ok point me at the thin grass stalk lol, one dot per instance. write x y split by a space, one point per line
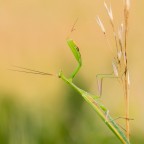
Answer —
126 16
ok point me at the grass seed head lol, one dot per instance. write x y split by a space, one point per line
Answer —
119 55
128 78
100 24
115 69
120 34
127 5
109 11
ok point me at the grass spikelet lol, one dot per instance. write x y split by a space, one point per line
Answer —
100 24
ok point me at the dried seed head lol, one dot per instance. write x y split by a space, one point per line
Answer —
119 35
128 78
127 4
115 69
124 56
100 24
109 11
122 27
119 54
120 32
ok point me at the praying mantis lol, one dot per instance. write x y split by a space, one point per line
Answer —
92 100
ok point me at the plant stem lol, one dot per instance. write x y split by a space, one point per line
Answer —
126 16
126 82
127 108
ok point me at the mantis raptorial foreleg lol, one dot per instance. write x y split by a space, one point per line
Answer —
76 53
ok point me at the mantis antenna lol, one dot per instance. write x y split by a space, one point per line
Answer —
30 71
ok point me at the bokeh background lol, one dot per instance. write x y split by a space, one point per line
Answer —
44 110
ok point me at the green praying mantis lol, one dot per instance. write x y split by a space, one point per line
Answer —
92 100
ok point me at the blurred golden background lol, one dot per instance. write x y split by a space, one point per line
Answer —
43 110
